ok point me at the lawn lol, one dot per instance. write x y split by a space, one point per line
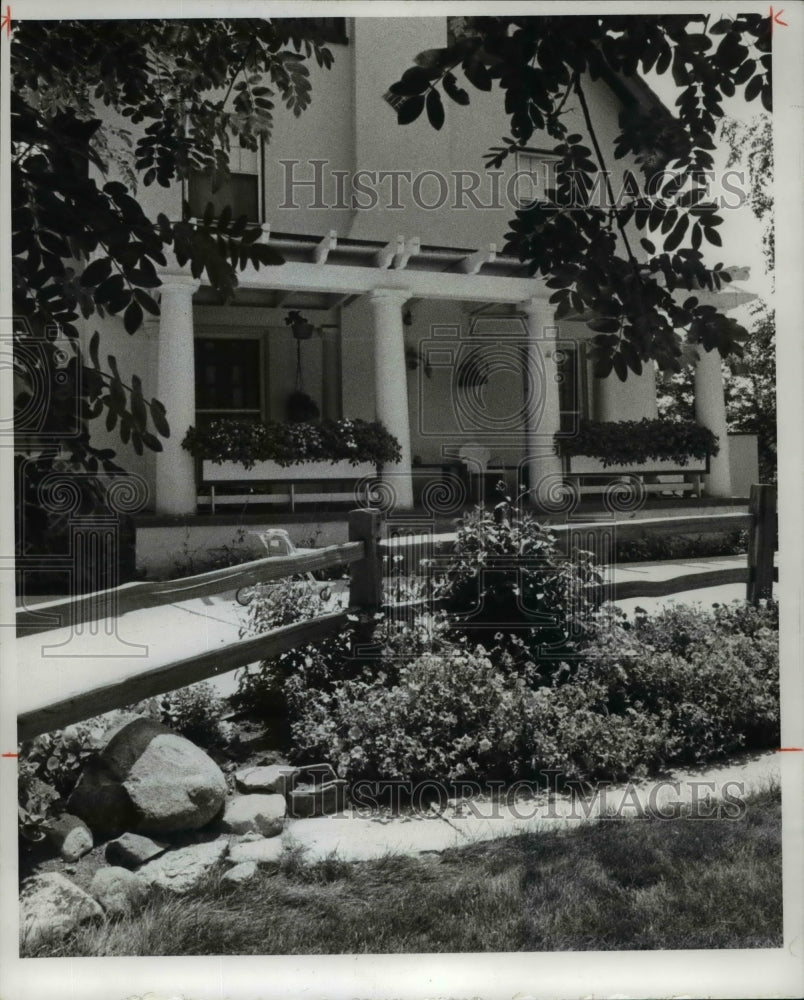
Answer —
619 884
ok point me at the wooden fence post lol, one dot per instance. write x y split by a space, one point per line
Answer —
761 543
365 588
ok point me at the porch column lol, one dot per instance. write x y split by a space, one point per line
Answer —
391 384
175 381
710 410
543 412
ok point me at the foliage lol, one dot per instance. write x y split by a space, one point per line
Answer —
292 443
583 246
507 576
448 715
750 381
195 712
635 442
49 767
83 246
680 546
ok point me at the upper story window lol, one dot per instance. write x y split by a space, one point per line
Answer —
241 190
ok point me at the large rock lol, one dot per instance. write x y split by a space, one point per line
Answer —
132 850
317 800
51 906
71 837
264 814
185 869
148 779
118 890
274 778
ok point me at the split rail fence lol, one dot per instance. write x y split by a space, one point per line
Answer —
363 553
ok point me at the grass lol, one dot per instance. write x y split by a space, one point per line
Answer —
625 884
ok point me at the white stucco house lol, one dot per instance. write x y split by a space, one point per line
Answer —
392 239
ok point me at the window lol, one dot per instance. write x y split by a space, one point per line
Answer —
535 172
241 190
227 378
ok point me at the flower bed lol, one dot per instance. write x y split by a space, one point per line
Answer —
628 443
286 444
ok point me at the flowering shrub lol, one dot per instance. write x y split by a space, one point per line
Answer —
509 581
293 443
707 685
635 442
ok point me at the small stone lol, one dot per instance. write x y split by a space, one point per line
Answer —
249 837
118 890
276 778
265 853
186 868
321 800
53 906
264 814
240 873
71 836
132 850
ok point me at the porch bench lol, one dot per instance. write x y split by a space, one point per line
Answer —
588 475
228 481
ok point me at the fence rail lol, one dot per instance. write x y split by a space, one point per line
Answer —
363 553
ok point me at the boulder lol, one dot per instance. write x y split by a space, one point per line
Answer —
71 837
264 814
275 778
264 853
118 890
148 779
53 906
243 872
132 850
186 868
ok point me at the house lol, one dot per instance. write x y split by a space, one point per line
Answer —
392 239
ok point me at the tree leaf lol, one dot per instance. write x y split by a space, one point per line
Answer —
435 109
410 110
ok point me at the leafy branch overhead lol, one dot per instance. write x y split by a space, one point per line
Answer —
612 258
82 243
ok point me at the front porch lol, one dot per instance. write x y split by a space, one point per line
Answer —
455 352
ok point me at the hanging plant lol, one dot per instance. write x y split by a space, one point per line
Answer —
301 408
301 328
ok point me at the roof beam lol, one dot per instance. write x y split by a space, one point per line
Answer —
385 257
410 249
329 242
473 263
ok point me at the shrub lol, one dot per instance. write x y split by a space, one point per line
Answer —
508 578
446 716
195 712
683 687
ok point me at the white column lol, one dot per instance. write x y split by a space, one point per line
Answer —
175 380
391 384
710 410
543 418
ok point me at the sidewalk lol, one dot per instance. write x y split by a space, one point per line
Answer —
710 793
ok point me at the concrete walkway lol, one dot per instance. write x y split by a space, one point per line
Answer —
363 834
58 664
